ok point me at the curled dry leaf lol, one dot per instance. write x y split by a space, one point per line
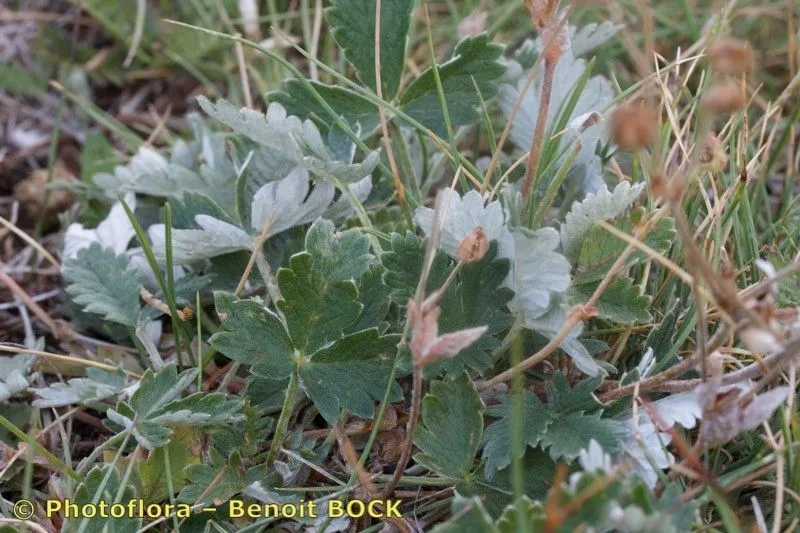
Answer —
427 346
733 409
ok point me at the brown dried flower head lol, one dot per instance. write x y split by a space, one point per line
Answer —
725 97
633 126
474 246
731 56
711 155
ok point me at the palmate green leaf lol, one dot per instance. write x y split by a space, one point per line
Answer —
102 483
374 297
277 206
522 515
498 492
403 264
476 298
289 138
497 438
353 25
103 283
451 428
473 58
254 335
350 374
595 207
320 297
183 450
246 437
217 479
330 337
601 249
561 398
569 433
360 113
620 301
98 385
565 425
155 408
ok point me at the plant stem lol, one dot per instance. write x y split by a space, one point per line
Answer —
411 426
283 420
538 136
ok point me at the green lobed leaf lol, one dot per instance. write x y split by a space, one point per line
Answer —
468 514
98 385
351 374
451 428
360 113
601 249
286 137
561 398
620 302
353 26
602 205
104 283
214 480
569 433
497 438
476 298
473 58
182 451
254 335
155 408
522 515
320 297
103 483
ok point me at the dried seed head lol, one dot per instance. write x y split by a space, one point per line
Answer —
711 155
472 24
541 11
474 246
633 126
731 56
725 97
